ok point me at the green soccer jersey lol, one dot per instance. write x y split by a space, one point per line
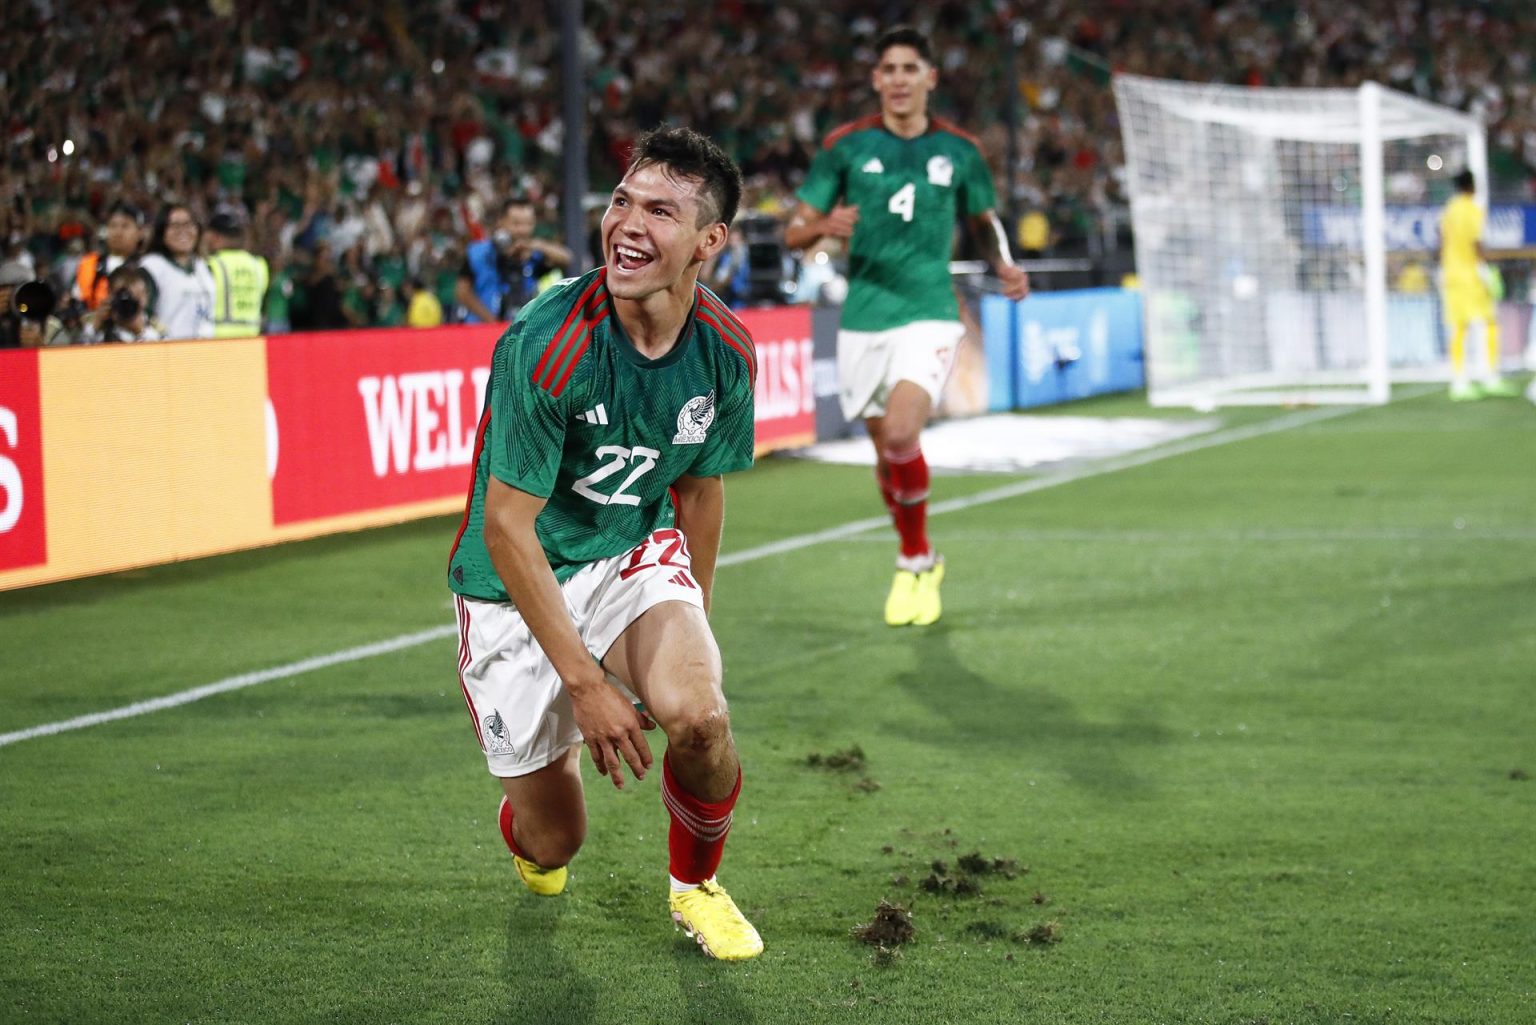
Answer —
909 193
576 415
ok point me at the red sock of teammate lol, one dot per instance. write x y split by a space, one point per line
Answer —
696 840
909 487
505 818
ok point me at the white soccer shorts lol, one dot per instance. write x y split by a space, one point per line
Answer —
522 714
869 363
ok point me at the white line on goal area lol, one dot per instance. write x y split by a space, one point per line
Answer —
792 544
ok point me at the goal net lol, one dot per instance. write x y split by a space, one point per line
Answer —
1266 223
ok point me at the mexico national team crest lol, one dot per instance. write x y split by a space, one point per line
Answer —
497 740
693 422
940 171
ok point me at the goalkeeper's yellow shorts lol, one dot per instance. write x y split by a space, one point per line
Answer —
1466 301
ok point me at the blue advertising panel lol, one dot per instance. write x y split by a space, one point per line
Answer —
1059 346
1510 226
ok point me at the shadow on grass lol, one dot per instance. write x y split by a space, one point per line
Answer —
967 709
543 984
709 991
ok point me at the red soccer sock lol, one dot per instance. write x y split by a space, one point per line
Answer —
505 818
888 496
909 487
696 840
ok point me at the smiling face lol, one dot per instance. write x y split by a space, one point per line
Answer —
903 81
652 237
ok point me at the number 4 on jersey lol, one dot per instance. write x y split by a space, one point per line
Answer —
903 201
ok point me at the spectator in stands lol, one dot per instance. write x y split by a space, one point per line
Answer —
505 271
422 308
182 298
122 239
321 308
127 316
240 278
730 274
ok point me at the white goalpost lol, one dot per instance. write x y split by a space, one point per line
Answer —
1266 221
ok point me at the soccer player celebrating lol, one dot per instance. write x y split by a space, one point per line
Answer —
1467 285
893 184
584 565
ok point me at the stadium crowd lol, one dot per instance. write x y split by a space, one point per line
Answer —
360 148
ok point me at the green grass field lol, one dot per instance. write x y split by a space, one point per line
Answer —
1255 720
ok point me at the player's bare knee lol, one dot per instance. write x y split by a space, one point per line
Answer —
555 847
700 731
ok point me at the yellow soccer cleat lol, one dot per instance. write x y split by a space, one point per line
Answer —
546 882
1499 388
708 915
926 601
901 603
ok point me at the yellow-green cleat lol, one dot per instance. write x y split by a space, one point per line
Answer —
901 603
708 915
926 597
546 882
1499 388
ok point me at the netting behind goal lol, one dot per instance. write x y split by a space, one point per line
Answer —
1265 222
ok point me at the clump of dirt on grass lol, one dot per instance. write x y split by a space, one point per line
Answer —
848 760
976 865
1519 775
890 928
1044 932
965 881
1040 933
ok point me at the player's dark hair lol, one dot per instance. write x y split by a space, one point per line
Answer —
1464 181
904 35
687 154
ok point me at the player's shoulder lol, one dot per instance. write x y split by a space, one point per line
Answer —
554 331
716 318
945 126
850 129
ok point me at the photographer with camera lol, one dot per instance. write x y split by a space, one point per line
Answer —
127 316
26 313
122 238
505 271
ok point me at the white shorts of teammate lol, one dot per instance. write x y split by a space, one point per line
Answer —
521 711
869 363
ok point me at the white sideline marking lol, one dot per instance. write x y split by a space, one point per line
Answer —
792 544
232 683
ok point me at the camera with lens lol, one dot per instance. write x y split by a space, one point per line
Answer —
125 305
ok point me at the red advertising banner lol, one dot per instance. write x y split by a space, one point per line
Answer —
786 398
23 523
363 420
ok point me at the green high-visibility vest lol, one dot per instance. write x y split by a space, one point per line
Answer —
239 286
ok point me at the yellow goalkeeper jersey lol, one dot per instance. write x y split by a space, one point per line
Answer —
1461 226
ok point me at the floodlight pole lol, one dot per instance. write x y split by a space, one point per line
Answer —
573 96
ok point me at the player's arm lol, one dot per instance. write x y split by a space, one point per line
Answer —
555 254
808 224
701 518
609 723
994 246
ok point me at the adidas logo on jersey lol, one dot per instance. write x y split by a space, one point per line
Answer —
873 166
594 416
682 579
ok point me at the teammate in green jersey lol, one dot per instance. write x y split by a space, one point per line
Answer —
893 184
584 565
